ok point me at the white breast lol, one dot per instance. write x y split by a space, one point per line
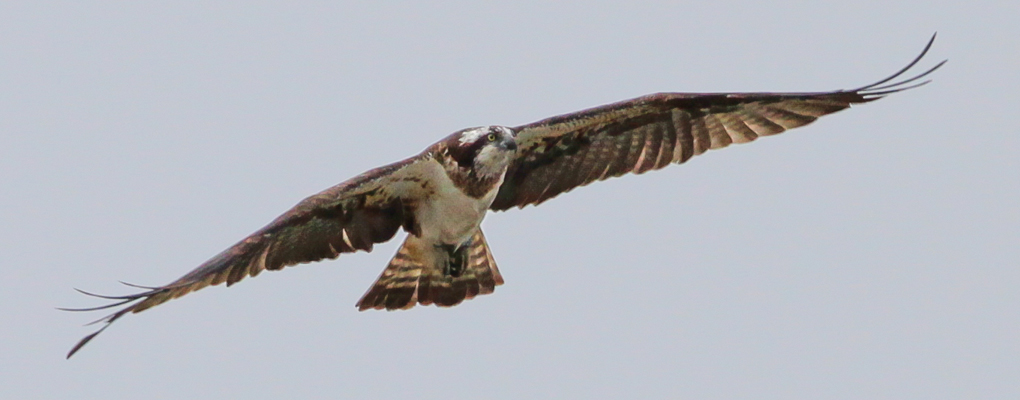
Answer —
449 216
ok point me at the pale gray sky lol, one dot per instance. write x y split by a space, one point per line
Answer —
872 255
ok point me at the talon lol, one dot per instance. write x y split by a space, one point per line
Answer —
457 259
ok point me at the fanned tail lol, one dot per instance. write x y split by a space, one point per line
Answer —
421 273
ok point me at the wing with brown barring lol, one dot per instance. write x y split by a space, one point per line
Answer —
561 153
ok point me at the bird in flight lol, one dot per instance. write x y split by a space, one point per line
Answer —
440 196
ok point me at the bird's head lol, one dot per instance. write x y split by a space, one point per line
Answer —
486 150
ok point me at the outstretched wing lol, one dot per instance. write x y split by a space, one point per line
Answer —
558 154
351 216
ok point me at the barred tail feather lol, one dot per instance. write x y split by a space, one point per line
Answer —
417 274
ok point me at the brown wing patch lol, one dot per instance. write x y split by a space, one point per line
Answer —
351 216
635 136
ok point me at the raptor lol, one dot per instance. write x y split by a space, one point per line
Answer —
441 195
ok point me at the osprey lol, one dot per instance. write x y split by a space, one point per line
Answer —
440 196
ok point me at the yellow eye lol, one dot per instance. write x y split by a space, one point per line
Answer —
492 137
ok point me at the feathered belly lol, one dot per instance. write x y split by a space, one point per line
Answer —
450 216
